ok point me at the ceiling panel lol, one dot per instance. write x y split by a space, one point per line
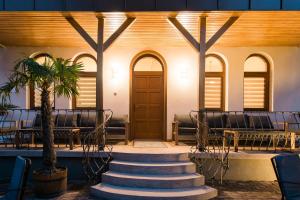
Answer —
150 28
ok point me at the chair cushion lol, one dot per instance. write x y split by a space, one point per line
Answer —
216 120
186 131
37 122
115 130
261 122
238 121
86 120
294 122
118 121
184 121
66 120
288 169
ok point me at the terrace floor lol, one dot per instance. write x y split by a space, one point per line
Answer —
228 190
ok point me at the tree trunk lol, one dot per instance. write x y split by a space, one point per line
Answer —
49 154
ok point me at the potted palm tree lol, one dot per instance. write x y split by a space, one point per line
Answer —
50 180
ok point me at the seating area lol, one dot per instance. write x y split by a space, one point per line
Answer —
260 129
255 128
22 128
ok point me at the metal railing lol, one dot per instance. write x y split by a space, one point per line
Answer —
211 157
219 133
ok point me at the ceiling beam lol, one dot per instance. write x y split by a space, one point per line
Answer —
118 32
221 31
82 32
185 33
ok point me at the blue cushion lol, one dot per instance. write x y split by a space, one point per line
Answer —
288 169
17 179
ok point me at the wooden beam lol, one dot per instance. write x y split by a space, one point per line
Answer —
118 32
99 75
184 32
82 32
202 53
221 31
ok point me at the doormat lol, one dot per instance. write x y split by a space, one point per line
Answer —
149 144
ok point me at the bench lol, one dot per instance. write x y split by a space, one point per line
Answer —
252 126
183 128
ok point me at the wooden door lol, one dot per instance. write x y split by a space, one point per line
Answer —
148 105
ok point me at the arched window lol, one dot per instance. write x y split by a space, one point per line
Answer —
148 63
256 83
86 83
35 93
214 82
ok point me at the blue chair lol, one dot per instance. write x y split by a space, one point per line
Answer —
18 180
287 170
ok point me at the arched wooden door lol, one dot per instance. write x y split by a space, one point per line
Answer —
147 101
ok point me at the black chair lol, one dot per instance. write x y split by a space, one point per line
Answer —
238 121
287 170
18 180
184 129
117 128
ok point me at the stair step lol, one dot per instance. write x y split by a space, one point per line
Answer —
166 168
151 157
126 193
153 181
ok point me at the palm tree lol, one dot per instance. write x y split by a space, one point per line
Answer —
63 74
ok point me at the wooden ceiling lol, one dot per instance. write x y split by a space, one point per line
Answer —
277 28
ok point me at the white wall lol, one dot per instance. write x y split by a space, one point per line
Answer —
182 81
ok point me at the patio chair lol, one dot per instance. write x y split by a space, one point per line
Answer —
117 128
184 129
18 180
287 170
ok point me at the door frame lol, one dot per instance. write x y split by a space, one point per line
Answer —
134 60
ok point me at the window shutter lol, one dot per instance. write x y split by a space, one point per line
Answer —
254 92
213 92
87 92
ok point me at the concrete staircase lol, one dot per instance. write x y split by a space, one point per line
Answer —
134 176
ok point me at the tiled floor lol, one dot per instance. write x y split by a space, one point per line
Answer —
229 190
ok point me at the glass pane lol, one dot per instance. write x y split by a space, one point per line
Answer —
254 92
42 59
148 64
213 64
89 64
255 64
87 92
213 92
